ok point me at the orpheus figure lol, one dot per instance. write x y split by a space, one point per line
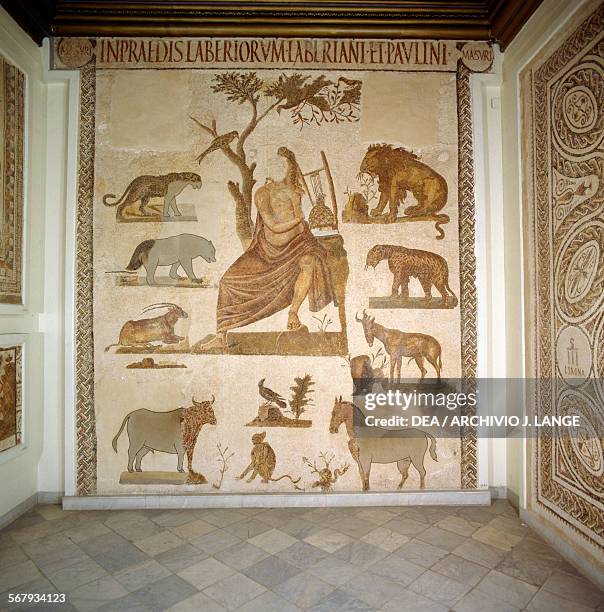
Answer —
283 265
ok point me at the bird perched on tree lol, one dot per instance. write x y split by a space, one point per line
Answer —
220 142
352 93
270 396
299 93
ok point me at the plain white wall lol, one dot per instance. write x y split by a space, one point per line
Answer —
38 465
18 466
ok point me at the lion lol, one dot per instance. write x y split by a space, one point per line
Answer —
145 187
399 171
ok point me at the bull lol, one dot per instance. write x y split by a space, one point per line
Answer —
174 432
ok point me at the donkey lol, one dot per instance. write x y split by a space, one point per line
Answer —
403 446
399 344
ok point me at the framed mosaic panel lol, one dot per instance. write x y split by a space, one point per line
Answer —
563 122
11 418
12 92
235 200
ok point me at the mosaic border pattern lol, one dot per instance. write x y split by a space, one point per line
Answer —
555 495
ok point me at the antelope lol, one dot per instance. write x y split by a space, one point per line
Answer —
157 329
399 344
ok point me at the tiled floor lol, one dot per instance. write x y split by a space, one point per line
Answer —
391 559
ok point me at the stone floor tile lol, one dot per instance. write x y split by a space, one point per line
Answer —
175 518
415 514
86 531
360 553
39 586
476 514
118 517
397 569
302 554
275 517
215 541
304 590
385 539
506 588
164 593
373 589
248 528
439 588
320 516
564 565
129 603
273 541
97 593
137 576
234 591
496 538
421 553
135 529
441 538
54 552
354 560
205 573
341 600
480 553
271 571
352 526
268 602
33 532
299 528
334 571
159 543
102 543
20 573
479 601
544 601
458 525
11 556
192 529
407 527
328 540
51 512
28 519
410 601
377 516
509 525
113 552
222 517
574 588
461 569
528 566
177 559
241 555
71 577
196 603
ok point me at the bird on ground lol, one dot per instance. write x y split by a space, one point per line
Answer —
270 396
220 142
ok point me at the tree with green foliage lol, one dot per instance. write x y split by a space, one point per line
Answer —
301 391
309 100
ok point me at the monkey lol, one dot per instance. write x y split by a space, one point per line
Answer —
263 461
145 187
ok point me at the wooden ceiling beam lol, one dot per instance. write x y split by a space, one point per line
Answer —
497 20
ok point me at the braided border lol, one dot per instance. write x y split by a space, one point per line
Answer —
467 264
84 357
